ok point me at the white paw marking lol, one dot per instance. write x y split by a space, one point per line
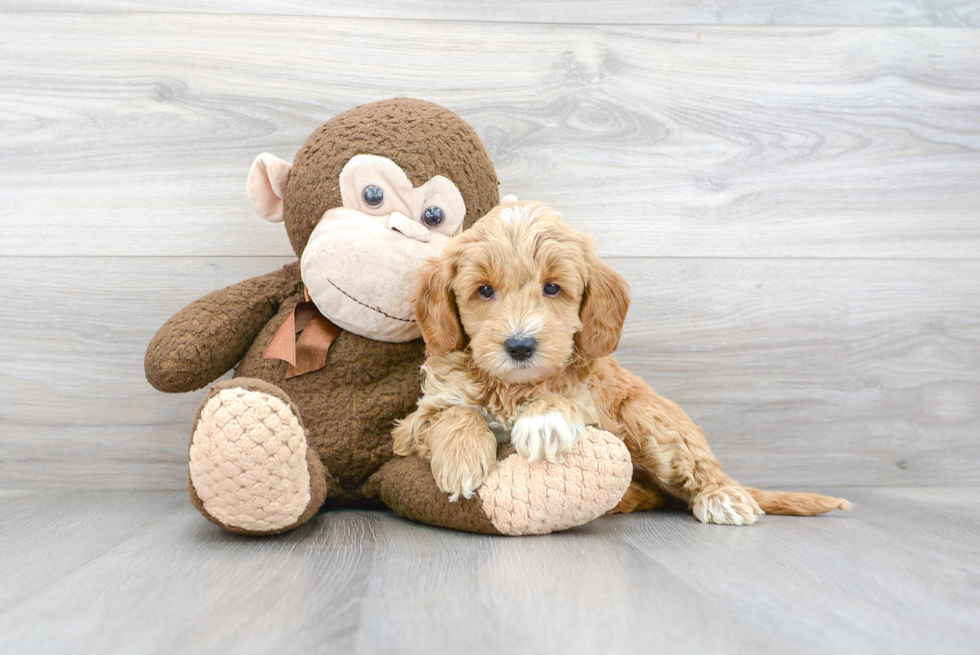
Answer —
545 437
734 507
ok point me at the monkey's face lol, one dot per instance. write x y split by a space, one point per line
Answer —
373 193
360 262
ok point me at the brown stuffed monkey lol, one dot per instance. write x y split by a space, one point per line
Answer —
327 348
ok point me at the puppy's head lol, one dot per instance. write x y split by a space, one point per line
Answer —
527 290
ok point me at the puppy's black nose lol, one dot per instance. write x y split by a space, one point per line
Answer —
520 348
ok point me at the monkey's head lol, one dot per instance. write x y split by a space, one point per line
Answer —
370 197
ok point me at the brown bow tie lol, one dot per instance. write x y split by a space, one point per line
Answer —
308 351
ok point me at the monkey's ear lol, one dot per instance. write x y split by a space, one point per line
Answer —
435 308
603 312
267 180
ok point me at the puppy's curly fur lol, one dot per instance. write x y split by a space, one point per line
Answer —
523 276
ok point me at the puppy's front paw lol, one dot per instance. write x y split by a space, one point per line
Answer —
730 505
545 436
460 468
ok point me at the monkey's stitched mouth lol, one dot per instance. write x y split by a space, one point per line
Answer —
373 309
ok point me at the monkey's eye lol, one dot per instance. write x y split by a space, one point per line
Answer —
374 196
551 289
486 292
433 216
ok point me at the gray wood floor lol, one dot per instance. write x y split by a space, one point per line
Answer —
142 572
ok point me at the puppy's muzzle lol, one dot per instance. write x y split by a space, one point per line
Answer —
521 348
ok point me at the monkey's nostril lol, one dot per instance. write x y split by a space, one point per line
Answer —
405 226
520 348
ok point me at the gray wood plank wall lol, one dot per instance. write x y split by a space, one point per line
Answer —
627 12
791 189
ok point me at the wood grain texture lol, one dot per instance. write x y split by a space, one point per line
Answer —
76 409
132 134
75 529
629 12
895 575
801 372
796 207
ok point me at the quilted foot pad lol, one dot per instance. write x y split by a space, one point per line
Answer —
248 461
536 498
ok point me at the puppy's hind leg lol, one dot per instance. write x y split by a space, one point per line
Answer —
640 498
669 447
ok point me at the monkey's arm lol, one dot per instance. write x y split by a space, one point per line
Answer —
209 336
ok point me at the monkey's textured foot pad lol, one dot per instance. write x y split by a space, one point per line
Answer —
248 461
523 498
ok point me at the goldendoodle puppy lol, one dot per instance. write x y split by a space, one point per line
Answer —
520 317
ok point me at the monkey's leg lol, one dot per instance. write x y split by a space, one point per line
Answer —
251 470
517 497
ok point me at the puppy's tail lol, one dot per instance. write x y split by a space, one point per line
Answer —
796 504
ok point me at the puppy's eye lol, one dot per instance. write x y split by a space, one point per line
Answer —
486 292
374 196
433 216
551 289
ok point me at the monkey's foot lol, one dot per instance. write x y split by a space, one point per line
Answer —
521 497
251 470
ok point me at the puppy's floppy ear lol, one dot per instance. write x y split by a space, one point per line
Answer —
435 307
604 306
